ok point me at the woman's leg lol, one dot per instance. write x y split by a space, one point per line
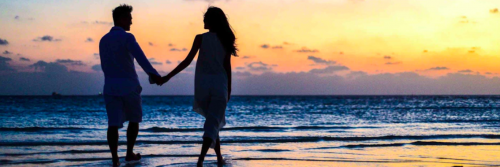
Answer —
204 149
220 160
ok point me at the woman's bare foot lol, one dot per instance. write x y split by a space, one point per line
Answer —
199 164
116 163
220 161
133 157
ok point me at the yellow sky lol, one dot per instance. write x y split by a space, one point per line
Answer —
457 34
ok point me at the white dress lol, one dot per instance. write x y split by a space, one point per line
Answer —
211 89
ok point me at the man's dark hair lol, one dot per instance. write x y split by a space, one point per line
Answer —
121 11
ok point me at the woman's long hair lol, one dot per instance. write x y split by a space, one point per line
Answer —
217 22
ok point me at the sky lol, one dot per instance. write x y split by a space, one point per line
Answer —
286 47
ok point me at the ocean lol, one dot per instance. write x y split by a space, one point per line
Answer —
260 131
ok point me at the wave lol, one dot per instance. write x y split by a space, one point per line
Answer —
46 161
421 143
57 152
263 140
37 129
256 128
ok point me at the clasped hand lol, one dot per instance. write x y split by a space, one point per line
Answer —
158 80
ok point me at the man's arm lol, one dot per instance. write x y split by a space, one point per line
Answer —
136 51
194 49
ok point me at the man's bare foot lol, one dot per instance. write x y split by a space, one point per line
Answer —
133 157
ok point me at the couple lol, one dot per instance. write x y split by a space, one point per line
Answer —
122 89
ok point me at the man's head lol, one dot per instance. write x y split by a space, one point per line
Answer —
122 16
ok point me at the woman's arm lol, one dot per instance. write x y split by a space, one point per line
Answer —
227 66
194 49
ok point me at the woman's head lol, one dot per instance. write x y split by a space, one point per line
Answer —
215 20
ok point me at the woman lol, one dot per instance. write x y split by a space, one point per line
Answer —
212 77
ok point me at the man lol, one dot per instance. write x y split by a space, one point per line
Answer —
121 86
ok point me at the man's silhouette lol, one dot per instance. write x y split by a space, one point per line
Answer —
121 86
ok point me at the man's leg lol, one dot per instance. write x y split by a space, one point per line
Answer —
132 132
113 144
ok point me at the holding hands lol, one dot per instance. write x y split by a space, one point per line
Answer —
158 80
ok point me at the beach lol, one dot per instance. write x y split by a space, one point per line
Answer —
260 131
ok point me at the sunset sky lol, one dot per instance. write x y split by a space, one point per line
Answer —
354 42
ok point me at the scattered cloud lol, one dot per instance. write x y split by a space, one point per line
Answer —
150 44
306 50
259 66
168 62
154 62
265 46
240 68
242 74
70 62
52 67
319 60
277 47
3 42
494 11
24 59
329 69
97 67
437 68
47 38
170 45
89 40
178 50
96 55
4 65
17 17
6 52
97 22
393 63
246 57
465 71
387 57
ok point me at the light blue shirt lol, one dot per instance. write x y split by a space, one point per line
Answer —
117 50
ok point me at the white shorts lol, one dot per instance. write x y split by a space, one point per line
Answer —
124 108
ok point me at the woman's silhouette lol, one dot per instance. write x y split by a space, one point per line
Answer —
212 76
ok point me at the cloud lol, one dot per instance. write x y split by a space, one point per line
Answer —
150 44
242 74
240 68
264 46
17 17
70 62
97 22
47 38
393 63
494 11
3 42
52 67
24 59
259 66
96 55
246 57
387 57
6 52
4 65
437 68
319 60
178 50
465 71
89 40
287 43
170 45
97 67
306 50
154 62
329 69
168 62
277 47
